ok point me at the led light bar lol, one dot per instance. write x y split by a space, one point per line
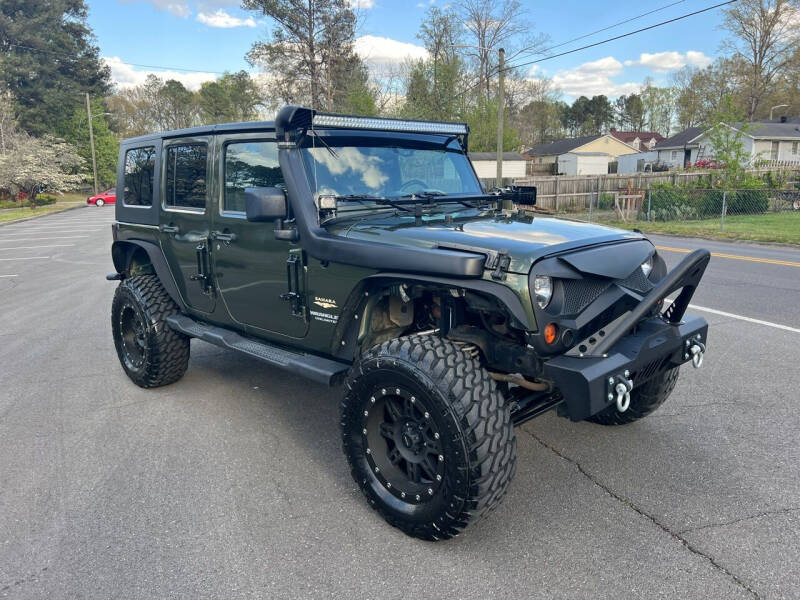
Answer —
372 123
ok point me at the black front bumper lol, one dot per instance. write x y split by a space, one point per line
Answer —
639 348
587 383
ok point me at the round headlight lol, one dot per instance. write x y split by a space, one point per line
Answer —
542 290
647 266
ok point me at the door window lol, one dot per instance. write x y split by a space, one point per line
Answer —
249 164
185 185
774 151
139 171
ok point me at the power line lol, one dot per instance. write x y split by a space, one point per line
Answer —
580 37
617 37
60 55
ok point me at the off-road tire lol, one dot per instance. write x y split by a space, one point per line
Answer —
165 352
644 400
478 447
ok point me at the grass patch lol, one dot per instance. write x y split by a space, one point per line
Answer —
770 227
64 202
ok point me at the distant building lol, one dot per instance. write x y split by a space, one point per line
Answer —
583 163
680 150
605 144
641 140
485 164
777 141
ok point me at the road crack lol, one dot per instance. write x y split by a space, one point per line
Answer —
675 535
766 513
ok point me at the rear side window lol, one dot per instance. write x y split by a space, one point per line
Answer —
139 172
249 164
185 185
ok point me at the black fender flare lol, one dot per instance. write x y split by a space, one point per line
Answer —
122 251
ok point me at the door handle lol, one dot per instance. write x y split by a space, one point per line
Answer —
169 229
223 237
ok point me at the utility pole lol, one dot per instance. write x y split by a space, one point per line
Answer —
91 142
501 97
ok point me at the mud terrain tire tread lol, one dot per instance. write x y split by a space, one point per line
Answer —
167 351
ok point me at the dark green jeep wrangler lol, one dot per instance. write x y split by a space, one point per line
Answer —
364 251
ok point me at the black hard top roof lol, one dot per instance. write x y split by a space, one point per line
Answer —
246 126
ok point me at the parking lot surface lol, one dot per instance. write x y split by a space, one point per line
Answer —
231 483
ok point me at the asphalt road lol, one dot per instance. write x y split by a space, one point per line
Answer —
231 483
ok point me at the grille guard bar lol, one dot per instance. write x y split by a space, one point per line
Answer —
686 275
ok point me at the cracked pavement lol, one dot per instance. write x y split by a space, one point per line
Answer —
231 483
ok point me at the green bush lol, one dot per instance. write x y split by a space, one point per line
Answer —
9 204
605 202
670 203
44 200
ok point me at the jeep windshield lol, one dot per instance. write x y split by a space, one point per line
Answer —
373 170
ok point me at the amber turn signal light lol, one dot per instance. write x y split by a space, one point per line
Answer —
550 333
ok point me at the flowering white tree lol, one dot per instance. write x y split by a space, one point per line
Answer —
35 165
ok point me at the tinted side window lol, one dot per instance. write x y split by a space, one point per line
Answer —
249 164
139 171
185 185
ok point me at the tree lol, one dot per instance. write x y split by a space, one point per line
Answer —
726 142
765 36
537 121
310 53
48 60
75 132
8 119
177 105
630 112
482 121
35 165
659 107
491 25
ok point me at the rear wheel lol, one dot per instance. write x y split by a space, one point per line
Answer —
644 400
428 436
151 353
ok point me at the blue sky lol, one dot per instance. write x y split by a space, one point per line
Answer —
212 36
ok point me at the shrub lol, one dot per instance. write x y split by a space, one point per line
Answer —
43 200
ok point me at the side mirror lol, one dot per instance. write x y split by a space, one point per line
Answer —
265 203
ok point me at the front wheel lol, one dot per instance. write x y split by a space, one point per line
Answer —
428 436
644 400
99 202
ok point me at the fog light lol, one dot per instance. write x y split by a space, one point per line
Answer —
543 290
550 333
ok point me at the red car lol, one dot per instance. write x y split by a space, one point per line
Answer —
107 197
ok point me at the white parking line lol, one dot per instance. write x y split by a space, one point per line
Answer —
743 318
37 247
40 239
27 258
1 276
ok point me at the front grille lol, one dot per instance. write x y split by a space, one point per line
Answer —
580 293
637 281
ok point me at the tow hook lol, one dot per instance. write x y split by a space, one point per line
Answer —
697 352
622 387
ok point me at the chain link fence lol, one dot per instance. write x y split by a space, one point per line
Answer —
668 204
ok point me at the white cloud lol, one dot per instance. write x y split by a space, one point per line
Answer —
179 9
125 75
222 19
362 4
594 78
661 62
381 51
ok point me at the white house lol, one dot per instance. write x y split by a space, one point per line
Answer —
583 163
485 164
765 140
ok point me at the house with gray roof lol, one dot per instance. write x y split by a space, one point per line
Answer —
774 141
606 144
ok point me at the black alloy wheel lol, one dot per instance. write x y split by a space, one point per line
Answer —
403 445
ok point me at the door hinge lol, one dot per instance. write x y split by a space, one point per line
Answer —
295 280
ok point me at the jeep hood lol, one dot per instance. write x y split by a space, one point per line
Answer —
526 239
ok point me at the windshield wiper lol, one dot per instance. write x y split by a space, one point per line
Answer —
362 198
471 201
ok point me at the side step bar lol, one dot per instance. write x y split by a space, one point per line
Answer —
316 368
